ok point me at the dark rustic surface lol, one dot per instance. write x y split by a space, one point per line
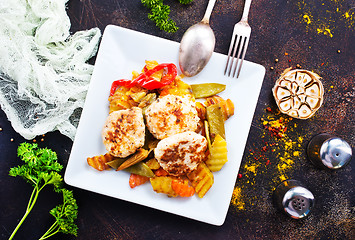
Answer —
324 44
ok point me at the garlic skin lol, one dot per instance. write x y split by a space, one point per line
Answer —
298 93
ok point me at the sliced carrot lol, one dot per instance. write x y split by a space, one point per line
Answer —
136 180
99 162
182 188
160 172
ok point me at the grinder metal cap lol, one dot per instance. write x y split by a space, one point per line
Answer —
328 151
294 199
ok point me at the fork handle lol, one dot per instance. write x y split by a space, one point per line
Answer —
206 17
246 10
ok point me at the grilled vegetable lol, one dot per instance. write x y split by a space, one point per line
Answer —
207 131
147 100
177 87
215 121
140 169
163 185
201 110
136 180
150 142
99 162
153 164
227 106
207 89
160 172
218 154
120 100
140 155
201 179
116 162
182 188
147 80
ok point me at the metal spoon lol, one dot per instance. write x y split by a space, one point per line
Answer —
197 45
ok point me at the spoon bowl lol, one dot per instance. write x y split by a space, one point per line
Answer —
196 48
197 45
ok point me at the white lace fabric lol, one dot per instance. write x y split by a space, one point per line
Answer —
44 74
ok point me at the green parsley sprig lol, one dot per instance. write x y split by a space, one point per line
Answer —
65 215
160 14
186 1
41 169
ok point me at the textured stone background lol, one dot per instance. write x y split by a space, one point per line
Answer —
316 34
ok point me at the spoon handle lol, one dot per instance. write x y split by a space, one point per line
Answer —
246 10
208 12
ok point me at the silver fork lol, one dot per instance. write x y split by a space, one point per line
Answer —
240 40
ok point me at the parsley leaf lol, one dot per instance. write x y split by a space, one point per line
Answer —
186 1
41 166
65 215
160 14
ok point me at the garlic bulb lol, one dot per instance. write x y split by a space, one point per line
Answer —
298 93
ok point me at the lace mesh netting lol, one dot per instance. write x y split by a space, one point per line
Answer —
44 76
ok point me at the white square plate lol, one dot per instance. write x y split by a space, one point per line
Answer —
122 51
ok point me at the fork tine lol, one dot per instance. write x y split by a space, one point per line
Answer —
229 52
241 44
244 51
237 42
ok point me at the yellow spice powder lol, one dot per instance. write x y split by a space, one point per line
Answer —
307 18
251 168
237 199
276 159
335 13
325 31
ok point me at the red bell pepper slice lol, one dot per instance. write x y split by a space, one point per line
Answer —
146 81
